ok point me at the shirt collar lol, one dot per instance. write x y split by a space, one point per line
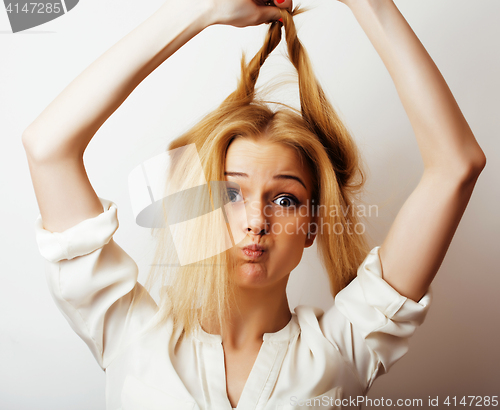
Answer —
284 334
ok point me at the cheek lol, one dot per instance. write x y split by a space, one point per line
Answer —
289 237
292 230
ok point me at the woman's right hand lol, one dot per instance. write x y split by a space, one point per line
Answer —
242 13
56 140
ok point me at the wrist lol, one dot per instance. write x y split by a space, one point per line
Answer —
205 13
372 14
360 5
199 14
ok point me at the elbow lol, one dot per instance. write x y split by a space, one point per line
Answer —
28 140
481 163
32 143
461 172
34 149
474 160
473 167
466 166
41 149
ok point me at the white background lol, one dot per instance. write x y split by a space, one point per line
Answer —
44 365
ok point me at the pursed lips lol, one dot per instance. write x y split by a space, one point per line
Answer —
253 251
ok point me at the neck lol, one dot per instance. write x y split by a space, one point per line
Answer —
257 311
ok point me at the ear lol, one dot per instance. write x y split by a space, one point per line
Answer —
313 229
310 240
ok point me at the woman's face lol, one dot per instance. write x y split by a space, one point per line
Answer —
276 193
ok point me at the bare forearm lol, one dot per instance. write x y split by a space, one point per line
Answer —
68 124
444 137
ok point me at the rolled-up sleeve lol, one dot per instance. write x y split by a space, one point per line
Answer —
371 322
94 283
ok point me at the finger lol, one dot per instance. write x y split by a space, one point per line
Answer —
268 14
284 4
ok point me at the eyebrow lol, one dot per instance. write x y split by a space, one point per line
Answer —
279 176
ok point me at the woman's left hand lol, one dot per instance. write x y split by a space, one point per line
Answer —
419 237
242 13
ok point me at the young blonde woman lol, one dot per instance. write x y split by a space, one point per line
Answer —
222 335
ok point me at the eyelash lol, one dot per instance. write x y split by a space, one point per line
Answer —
288 196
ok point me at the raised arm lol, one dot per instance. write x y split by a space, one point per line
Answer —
417 241
55 142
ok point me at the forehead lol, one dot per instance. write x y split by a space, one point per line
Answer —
262 159
250 152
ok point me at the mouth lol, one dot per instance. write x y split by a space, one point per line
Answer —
253 252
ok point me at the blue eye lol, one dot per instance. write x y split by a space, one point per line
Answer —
234 195
286 201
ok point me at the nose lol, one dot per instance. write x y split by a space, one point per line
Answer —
257 223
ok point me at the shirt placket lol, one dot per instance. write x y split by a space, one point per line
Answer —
262 378
263 375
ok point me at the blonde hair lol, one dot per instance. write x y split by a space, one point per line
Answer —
203 290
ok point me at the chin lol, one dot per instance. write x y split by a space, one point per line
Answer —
251 275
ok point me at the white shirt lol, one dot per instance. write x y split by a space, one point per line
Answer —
333 356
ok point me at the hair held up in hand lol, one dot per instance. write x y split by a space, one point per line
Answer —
203 291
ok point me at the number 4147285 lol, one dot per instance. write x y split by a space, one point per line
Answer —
471 401
33 8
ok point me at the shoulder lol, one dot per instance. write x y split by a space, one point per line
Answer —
308 316
311 321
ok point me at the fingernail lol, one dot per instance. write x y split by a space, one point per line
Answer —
279 1
281 20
